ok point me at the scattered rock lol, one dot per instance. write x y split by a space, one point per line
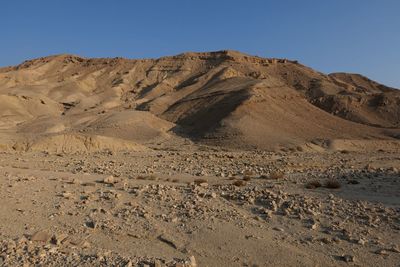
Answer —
347 258
59 239
169 240
201 182
67 195
91 224
110 180
41 236
382 251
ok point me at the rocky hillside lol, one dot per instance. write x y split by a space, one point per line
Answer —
219 98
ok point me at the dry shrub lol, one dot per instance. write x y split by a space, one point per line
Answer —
152 177
200 181
313 184
147 177
248 173
345 151
276 175
175 180
333 184
247 178
239 183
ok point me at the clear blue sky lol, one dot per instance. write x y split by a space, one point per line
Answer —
360 36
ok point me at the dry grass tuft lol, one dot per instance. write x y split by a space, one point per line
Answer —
152 177
239 183
333 184
247 178
147 177
248 173
276 175
200 181
313 184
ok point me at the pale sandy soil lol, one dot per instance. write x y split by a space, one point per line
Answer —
174 208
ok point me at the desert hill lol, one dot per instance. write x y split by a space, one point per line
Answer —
223 98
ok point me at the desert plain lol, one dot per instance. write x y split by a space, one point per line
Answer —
198 159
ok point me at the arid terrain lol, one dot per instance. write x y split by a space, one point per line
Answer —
199 159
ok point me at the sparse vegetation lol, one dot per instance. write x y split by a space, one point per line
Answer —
200 181
353 182
246 178
276 175
239 183
313 184
248 173
333 184
148 177
152 177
